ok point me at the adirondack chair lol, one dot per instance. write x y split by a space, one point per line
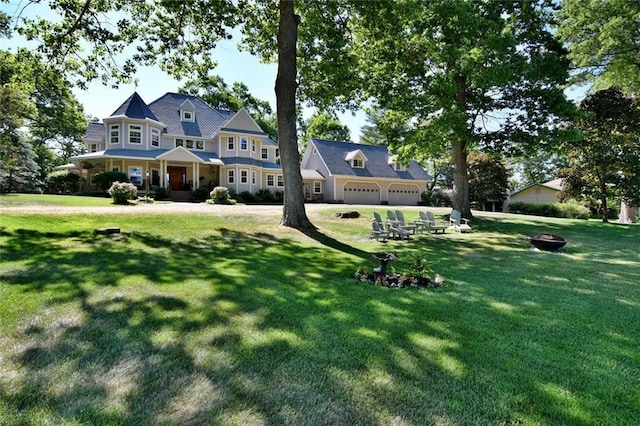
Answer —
378 232
433 225
402 224
393 226
458 223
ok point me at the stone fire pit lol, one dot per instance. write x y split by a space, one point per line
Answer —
548 242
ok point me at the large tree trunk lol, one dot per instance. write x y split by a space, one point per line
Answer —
460 177
293 214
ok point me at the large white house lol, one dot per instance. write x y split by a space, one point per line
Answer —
178 142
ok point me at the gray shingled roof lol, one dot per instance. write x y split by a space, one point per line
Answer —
208 121
135 107
244 161
377 165
95 132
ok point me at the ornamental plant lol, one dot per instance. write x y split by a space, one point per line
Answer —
220 195
122 192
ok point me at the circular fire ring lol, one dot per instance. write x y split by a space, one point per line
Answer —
548 242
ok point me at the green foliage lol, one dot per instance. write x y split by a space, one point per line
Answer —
266 195
602 37
19 171
122 192
384 128
199 194
488 177
162 194
63 182
104 180
324 126
220 195
604 159
246 197
565 210
483 75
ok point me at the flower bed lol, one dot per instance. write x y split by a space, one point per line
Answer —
398 280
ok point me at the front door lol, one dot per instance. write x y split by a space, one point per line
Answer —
177 176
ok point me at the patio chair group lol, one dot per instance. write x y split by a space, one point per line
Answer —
395 226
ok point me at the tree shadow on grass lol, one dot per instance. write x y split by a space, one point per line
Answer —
237 327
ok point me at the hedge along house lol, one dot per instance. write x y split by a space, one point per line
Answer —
359 174
180 143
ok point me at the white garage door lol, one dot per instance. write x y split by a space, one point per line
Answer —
406 195
361 193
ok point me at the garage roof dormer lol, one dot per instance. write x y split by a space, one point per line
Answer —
395 164
187 111
356 159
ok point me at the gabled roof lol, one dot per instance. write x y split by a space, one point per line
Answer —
208 121
555 184
356 153
334 153
135 107
95 132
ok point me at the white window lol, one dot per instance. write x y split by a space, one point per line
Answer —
399 167
244 176
189 144
187 116
200 145
114 133
230 143
265 153
231 176
253 178
253 145
244 143
317 187
115 169
135 175
280 181
93 147
155 137
179 142
270 180
135 134
357 163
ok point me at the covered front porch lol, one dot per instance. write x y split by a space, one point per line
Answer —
179 170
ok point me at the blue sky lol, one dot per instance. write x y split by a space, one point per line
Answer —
233 65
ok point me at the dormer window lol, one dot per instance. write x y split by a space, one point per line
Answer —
187 111
396 165
356 159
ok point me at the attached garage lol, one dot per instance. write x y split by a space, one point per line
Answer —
361 193
407 195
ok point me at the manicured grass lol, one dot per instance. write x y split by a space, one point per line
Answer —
232 319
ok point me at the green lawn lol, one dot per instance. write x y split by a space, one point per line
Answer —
219 319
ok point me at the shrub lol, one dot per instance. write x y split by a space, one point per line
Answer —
104 180
161 194
246 197
566 210
265 195
122 192
220 195
63 182
199 195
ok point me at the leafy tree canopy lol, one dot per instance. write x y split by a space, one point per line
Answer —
384 127
469 74
324 126
605 159
603 38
